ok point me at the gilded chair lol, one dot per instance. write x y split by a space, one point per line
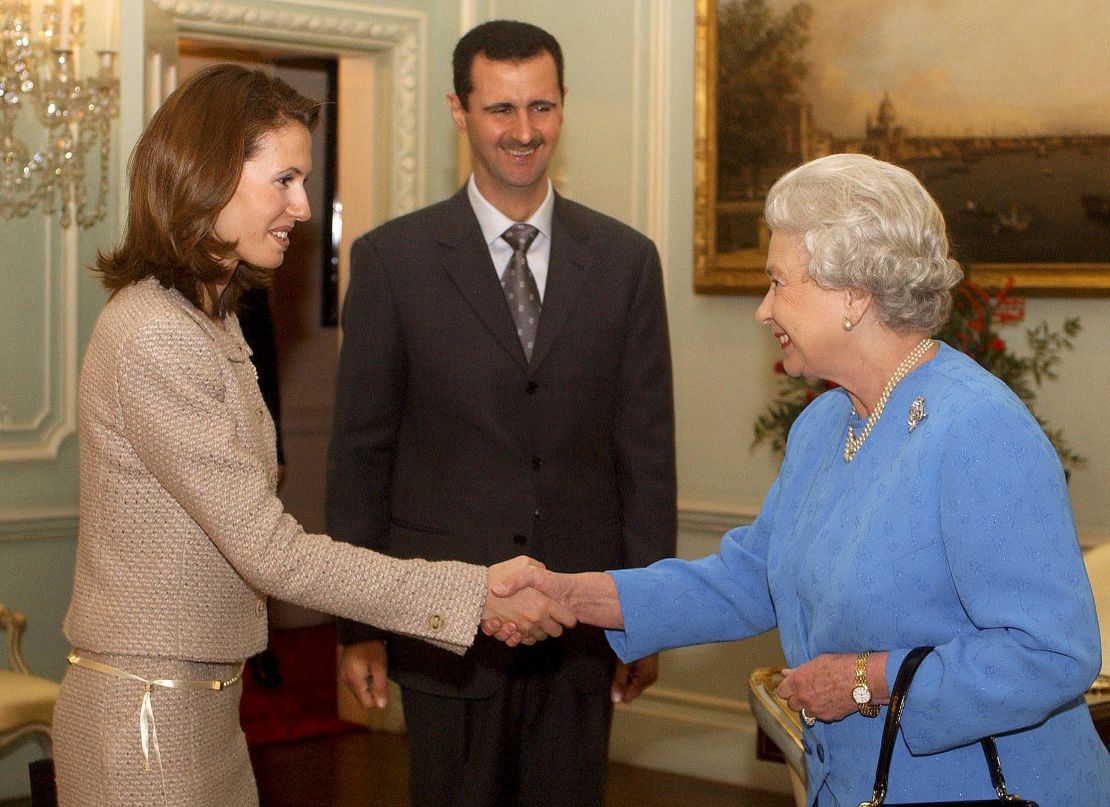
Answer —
780 724
26 701
1097 561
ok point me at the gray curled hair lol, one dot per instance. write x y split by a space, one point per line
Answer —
869 225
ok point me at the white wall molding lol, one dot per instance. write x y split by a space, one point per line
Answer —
692 707
49 525
397 35
303 24
700 515
38 435
694 735
660 121
650 121
714 518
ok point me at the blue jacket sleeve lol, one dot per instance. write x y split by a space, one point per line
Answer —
674 603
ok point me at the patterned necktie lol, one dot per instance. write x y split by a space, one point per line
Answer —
520 287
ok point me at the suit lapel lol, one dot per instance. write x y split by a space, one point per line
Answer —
566 271
465 258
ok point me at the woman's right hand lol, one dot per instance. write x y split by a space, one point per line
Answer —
524 616
590 596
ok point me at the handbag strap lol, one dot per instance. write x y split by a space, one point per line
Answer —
890 733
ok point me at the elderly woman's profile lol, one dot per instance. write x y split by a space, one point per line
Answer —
919 503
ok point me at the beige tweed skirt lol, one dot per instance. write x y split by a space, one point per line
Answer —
98 753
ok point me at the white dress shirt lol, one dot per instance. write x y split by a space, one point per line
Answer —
493 223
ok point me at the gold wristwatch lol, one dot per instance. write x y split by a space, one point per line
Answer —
861 693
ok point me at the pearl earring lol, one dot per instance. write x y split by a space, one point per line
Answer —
847 324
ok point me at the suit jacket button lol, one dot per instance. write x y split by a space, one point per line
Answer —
536 463
531 387
435 622
261 606
519 539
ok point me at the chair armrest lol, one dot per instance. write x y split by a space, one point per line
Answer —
777 720
13 622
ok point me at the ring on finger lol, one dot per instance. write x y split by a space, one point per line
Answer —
809 721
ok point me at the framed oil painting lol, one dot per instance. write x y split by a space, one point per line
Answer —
1001 109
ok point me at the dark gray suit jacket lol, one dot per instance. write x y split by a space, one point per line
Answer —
447 444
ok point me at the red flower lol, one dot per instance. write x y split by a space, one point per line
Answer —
996 344
974 298
1007 308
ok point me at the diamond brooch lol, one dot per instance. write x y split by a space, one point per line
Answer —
917 413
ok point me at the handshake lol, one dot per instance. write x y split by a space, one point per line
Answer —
526 603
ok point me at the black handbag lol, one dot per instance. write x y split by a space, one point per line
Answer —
890 732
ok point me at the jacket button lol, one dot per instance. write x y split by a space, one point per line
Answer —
531 387
820 752
435 622
261 606
536 463
520 539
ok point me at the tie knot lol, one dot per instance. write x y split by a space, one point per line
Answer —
520 236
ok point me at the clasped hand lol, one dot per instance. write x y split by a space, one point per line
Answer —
823 685
524 616
592 598
520 612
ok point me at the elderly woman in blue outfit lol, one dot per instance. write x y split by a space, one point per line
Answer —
919 503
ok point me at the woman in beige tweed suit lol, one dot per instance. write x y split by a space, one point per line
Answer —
181 535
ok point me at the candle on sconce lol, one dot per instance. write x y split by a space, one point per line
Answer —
110 26
64 24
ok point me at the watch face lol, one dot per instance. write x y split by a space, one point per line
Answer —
861 694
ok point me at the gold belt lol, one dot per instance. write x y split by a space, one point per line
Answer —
148 730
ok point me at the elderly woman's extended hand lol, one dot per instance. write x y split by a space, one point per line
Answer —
823 685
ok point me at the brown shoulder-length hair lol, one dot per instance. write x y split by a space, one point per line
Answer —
183 172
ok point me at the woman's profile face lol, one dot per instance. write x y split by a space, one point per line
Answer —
804 317
270 198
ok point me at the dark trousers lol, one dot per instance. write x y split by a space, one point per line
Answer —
535 743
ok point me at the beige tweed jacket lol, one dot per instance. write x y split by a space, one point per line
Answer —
181 535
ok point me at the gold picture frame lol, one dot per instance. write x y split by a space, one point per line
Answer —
741 271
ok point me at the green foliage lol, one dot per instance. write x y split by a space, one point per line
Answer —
795 395
971 328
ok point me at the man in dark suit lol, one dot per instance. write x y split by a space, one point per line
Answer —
504 387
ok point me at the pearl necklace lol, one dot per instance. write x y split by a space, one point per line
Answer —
852 443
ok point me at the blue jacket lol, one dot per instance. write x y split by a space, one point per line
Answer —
958 534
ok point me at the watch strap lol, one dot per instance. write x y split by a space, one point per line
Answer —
867 709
